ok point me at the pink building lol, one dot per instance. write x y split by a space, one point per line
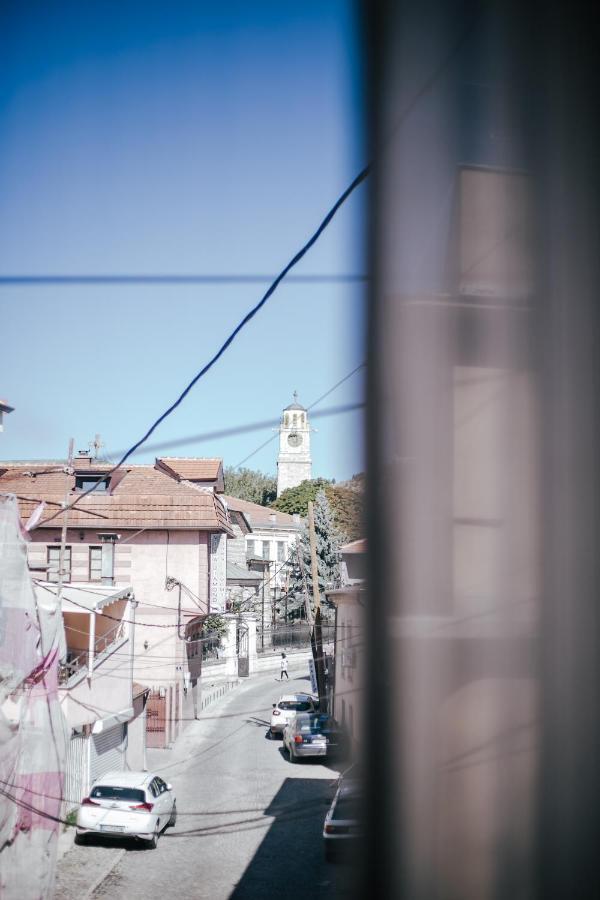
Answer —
161 530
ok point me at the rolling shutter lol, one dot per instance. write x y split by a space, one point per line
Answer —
108 751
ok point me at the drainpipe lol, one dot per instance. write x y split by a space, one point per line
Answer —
132 606
92 644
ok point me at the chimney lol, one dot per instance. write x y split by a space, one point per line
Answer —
273 518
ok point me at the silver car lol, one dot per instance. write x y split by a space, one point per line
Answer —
311 734
127 804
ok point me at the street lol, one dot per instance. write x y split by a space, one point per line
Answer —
249 821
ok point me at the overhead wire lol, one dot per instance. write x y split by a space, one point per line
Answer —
232 336
175 279
308 409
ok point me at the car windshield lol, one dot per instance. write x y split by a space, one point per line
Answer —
108 792
297 705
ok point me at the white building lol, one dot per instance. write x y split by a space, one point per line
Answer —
294 463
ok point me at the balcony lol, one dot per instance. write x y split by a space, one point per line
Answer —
96 624
78 660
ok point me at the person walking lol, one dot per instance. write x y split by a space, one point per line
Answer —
284 668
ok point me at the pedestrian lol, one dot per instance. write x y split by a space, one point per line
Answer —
284 668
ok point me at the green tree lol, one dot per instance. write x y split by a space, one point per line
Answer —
251 485
347 508
328 539
295 499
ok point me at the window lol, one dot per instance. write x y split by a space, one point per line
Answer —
125 794
102 563
280 551
266 549
54 563
83 482
297 705
250 551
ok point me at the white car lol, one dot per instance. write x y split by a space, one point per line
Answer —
286 708
127 804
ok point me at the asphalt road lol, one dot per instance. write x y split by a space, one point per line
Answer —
249 821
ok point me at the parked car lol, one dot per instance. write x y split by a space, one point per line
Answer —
342 826
286 708
127 804
313 734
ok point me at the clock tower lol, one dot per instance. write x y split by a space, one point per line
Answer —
293 463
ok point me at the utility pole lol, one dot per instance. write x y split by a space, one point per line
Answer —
262 614
307 609
63 535
318 643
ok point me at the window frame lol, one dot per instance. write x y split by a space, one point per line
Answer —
67 560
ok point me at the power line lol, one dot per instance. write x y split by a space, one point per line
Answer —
362 175
175 279
315 415
242 429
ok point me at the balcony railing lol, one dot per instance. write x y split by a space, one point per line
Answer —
79 659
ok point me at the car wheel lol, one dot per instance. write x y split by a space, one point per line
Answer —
154 840
173 819
80 839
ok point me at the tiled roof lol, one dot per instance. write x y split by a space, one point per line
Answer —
192 468
260 516
144 497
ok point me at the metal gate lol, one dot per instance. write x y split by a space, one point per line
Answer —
76 772
156 721
243 661
108 751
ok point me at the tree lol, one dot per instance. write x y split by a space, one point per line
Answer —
251 485
295 499
329 540
347 508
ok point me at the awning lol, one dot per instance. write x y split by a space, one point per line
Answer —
82 597
101 725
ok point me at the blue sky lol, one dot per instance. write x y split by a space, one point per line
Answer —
155 138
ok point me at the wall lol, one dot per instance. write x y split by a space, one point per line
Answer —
348 698
136 744
106 693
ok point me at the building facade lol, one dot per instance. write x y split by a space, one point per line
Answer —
349 673
147 528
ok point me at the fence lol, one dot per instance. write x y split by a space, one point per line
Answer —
76 772
291 637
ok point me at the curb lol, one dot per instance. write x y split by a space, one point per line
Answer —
96 884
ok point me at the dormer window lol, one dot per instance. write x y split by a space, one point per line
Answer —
85 482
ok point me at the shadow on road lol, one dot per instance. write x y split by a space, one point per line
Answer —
130 844
291 854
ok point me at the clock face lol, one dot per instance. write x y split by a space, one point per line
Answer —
294 439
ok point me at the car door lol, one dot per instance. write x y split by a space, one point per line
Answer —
165 796
156 800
